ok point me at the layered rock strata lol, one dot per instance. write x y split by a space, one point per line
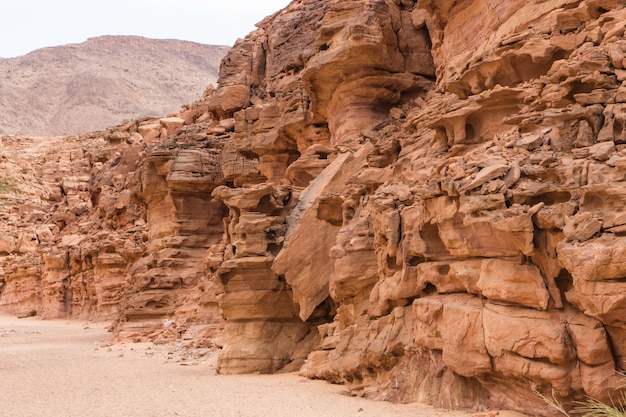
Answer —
420 199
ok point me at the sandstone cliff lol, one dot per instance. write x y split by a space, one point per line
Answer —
77 88
420 199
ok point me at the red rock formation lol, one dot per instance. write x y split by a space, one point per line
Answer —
420 199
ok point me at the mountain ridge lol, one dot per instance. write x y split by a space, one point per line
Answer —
79 87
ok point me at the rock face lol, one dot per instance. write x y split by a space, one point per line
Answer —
420 199
77 88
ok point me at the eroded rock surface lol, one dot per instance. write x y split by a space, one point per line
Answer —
420 199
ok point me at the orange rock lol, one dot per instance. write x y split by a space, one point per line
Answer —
420 200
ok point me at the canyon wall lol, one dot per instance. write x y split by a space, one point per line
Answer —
420 199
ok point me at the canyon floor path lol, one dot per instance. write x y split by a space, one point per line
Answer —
56 368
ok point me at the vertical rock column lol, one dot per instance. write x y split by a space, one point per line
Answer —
263 332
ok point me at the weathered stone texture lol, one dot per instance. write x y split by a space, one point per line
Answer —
420 199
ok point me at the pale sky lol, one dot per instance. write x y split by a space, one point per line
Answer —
26 25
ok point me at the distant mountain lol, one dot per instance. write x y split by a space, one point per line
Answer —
98 83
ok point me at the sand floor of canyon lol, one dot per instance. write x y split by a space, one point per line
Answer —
56 368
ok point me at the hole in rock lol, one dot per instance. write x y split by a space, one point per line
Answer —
110 249
435 247
293 157
429 40
325 311
397 350
429 289
87 262
618 127
581 88
392 263
527 69
273 248
470 134
550 198
348 214
95 196
266 205
249 154
415 260
564 281
380 107
294 67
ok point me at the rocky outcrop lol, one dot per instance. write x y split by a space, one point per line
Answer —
419 199
107 230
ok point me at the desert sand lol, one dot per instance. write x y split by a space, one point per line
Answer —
56 368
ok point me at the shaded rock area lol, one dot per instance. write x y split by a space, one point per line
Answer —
422 200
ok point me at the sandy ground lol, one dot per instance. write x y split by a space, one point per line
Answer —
52 368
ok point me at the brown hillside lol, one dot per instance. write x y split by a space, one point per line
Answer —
88 86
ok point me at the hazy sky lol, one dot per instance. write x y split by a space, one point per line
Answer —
26 25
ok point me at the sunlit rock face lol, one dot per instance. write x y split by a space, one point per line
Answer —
420 199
